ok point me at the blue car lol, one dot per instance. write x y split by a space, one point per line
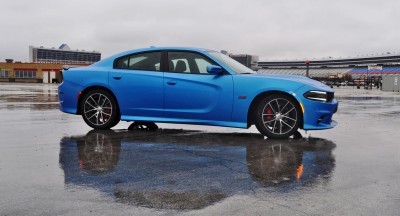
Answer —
194 86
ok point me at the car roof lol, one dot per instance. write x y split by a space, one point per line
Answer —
179 48
154 48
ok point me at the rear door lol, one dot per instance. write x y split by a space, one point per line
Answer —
192 93
137 82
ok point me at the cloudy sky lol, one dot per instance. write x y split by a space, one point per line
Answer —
285 29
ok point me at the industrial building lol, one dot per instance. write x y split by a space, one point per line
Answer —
63 55
367 71
45 64
250 61
356 67
30 72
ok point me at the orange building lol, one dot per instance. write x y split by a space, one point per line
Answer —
30 72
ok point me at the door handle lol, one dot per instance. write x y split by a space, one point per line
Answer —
117 77
171 83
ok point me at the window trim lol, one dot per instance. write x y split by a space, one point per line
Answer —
3 73
25 74
115 63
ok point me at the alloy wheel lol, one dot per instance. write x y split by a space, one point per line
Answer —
279 116
98 109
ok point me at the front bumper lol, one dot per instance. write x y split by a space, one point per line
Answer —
318 115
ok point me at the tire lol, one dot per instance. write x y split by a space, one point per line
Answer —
99 109
278 116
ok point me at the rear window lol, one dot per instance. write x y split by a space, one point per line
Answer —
142 61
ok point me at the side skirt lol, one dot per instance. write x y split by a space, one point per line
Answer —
186 121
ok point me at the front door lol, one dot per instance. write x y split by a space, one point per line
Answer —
192 93
45 77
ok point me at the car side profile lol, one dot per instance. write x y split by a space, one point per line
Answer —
194 86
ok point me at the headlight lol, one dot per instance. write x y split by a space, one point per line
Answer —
319 96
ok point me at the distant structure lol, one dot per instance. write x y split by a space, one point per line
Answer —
366 66
62 55
45 64
250 61
30 72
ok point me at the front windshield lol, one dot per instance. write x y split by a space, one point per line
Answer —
232 63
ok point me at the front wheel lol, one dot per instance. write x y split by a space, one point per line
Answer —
278 116
99 109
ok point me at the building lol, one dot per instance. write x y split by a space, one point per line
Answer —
62 55
45 64
356 67
391 83
250 61
31 72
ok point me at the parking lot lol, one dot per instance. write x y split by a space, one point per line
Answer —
51 163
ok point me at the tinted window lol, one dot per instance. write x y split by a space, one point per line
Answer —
123 63
188 62
142 61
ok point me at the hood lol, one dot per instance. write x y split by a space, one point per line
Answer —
294 78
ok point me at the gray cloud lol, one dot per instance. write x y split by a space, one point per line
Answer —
283 29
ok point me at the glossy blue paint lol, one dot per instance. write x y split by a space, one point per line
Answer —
214 69
190 98
140 93
198 96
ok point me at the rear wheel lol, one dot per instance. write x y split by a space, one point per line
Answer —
278 116
99 109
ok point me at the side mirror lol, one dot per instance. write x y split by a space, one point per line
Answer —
214 69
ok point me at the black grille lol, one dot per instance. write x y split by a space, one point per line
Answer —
330 96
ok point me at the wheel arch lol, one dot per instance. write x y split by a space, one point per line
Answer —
90 88
256 100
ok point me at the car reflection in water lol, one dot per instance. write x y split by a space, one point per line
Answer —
183 170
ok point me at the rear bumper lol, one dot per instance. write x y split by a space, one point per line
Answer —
67 101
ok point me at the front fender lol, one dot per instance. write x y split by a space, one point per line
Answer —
246 89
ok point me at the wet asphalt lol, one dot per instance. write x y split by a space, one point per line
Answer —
51 163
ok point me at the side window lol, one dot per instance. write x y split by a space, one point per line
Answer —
123 63
143 61
188 62
202 64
